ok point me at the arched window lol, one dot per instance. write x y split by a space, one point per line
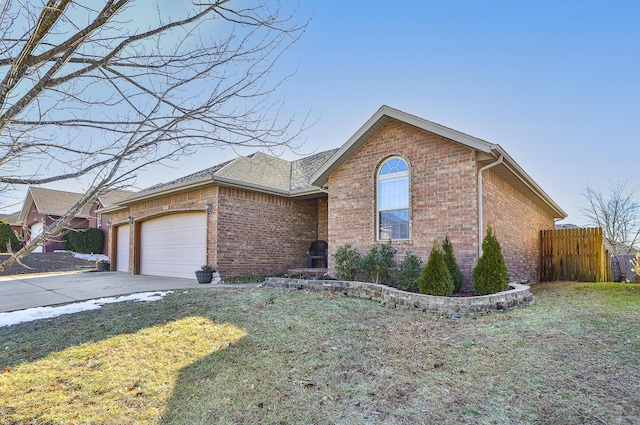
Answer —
393 200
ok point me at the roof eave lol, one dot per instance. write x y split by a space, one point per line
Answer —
221 181
522 175
226 182
152 194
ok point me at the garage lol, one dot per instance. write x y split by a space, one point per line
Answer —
174 245
122 243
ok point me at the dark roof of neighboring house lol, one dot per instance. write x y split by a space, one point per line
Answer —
617 248
258 171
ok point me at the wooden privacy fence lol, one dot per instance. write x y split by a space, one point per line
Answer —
574 254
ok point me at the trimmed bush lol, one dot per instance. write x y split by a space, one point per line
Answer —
490 274
435 278
84 240
378 262
347 262
408 275
452 265
8 237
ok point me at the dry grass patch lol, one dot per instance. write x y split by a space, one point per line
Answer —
126 379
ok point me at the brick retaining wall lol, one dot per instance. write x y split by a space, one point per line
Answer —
517 297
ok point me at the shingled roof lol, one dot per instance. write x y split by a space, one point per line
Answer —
303 169
258 171
12 218
57 202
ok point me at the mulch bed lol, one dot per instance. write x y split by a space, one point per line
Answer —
46 262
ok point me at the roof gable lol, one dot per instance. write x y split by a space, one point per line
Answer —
258 169
52 202
379 120
486 153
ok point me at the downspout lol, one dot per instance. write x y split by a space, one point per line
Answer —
480 221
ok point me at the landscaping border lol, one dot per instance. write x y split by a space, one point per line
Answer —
519 296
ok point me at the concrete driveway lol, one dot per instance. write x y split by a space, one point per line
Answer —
18 292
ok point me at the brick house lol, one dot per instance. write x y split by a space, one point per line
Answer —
42 207
399 179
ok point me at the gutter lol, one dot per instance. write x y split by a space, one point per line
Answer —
480 214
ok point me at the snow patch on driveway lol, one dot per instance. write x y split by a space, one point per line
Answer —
37 313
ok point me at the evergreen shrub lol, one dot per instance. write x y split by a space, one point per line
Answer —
378 262
452 265
84 240
490 274
347 261
8 238
435 278
408 275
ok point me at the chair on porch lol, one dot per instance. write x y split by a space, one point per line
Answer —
319 250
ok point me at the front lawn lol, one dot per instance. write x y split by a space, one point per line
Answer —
213 356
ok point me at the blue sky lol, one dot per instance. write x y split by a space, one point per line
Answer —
555 83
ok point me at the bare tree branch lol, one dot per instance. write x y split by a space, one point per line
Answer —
108 98
617 213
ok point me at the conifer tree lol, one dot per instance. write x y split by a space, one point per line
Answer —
490 274
435 279
452 265
8 240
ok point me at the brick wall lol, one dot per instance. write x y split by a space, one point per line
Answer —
262 234
516 221
249 233
442 186
323 219
54 243
145 210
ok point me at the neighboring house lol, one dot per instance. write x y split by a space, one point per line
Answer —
14 221
399 179
42 207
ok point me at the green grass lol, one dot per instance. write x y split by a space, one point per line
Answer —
281 357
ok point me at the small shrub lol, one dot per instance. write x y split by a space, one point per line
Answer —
490 274
8 238
435 278
452 265
84 240
378 262
408 275
347 262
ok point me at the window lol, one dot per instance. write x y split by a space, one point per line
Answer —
393 200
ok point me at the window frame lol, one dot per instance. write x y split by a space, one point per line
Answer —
405 175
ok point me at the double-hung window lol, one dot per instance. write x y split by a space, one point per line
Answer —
393 200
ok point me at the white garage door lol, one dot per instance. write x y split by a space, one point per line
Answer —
36 230
175 245
122 247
